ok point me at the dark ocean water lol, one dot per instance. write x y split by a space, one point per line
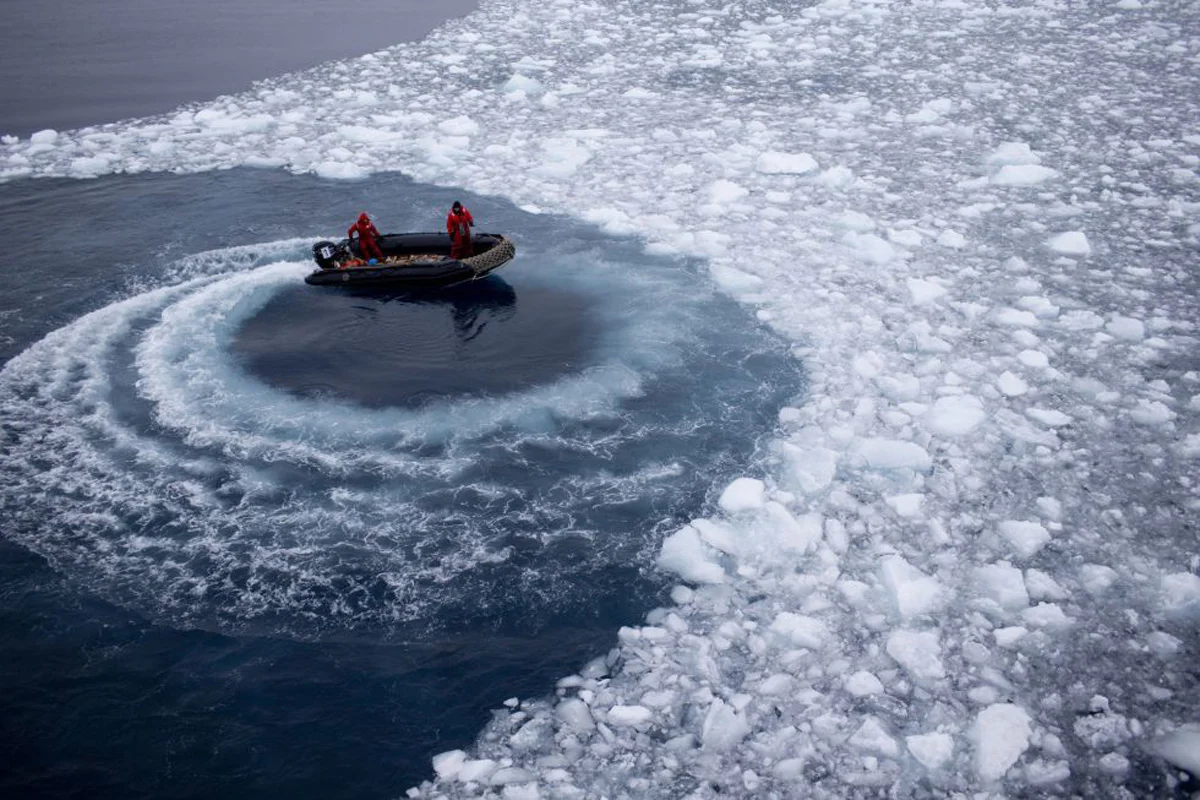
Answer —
73 63
265 539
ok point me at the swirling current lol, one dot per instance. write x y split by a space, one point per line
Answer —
217 446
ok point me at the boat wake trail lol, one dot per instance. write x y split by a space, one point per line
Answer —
149 460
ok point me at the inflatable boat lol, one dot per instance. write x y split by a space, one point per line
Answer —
410 261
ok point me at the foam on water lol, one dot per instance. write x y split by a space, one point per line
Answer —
915 197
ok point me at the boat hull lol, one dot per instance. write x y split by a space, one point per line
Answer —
422 262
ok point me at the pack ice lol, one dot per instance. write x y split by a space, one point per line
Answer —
967 562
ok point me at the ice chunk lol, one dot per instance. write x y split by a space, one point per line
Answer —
1042 587
684 554
774 163
1151 413
744 494
856 221
1025 538
734 281
1181 594
1114 764
522 84
1011 385
1127 328
723 727
1102 729
1050 417
863 683
1023 175
507 775
1012 153
339 170
1096 578
89 166
924 291
1050 508
1163 644
789 533
1016 318
910 238
836 177
1008 637
800 630
1046 615
723 191
721 537
872 737
1041 307
892 454
1033 358
779 683
562 158
629 716
913 592
1001 735
1003 584
899 387
1072 243
813 468
953 239
1181 747
869 247
1046 773
447 764
575 714
956 415
906 505
931 749
476 770
459 126
918 652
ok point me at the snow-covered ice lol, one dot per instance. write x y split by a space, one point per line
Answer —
1001 735
1025 538
1073 243
982 514
1182 748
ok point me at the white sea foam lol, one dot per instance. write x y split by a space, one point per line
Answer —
1015 357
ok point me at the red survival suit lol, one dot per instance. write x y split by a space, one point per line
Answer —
367 234
458 224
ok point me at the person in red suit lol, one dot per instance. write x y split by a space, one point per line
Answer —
458 224
367 234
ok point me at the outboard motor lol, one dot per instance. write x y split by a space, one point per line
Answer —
327 254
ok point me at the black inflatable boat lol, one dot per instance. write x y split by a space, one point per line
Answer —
410 260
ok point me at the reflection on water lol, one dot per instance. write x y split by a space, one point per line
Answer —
379 347
472 305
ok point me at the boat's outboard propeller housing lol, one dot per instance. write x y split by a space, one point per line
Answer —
327 254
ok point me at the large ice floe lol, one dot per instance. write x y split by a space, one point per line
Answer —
968 564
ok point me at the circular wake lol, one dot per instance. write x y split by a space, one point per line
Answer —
147 459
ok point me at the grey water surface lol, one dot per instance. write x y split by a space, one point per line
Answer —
72 63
